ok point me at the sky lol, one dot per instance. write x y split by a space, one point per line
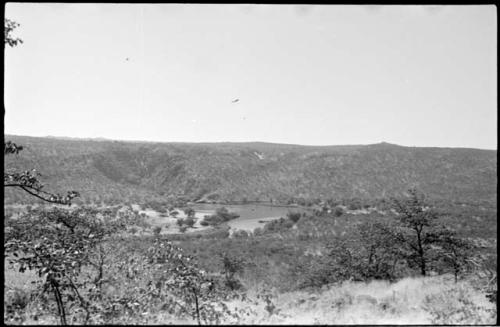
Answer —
311 75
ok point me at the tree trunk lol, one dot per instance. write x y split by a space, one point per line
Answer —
420 251
60 304
197 307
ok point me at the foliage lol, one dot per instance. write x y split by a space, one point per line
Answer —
454 253
231 267
416 221
278 225
365 172
57 246
9 27
157 230
338 211
184 280
221 215
458 306
189 212
294 216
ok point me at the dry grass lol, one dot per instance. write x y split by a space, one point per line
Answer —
432 300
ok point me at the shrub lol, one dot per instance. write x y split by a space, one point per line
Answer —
240 234
221 215
459 306
232 266
189 222
294 216
189 212
338 211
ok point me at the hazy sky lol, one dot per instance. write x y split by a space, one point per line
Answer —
410 75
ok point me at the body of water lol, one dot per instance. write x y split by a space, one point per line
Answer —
251 215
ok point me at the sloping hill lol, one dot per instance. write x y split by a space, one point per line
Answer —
104 169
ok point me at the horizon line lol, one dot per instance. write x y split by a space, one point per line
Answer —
98 138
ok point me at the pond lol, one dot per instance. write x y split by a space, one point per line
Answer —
251 215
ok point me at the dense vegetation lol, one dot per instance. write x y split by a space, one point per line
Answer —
134 172
300 252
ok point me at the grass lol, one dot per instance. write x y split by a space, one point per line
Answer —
431 300
272 258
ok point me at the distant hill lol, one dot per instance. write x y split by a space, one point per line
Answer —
106 169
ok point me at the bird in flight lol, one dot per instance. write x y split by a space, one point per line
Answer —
126 59
235 100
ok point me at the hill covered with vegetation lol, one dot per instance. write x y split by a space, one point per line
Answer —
105 170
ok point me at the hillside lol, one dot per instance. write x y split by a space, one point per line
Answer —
107 170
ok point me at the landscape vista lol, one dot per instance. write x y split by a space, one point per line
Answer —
250 164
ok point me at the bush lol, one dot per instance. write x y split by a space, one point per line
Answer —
294 216
258 231
338 211
189 222
240 234
189 212
459 306
221 215
354 206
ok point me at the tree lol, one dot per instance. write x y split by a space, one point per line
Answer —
57 246
338 211
416 220
294 216
9 28
189 212
231 267
27 180
189 222
454 252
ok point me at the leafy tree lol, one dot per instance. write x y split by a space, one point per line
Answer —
189 222
221 215
187 282
294 216
232 266
380 249
338 211
416 221
57 246
455 252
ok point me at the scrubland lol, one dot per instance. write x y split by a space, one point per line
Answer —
290 271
